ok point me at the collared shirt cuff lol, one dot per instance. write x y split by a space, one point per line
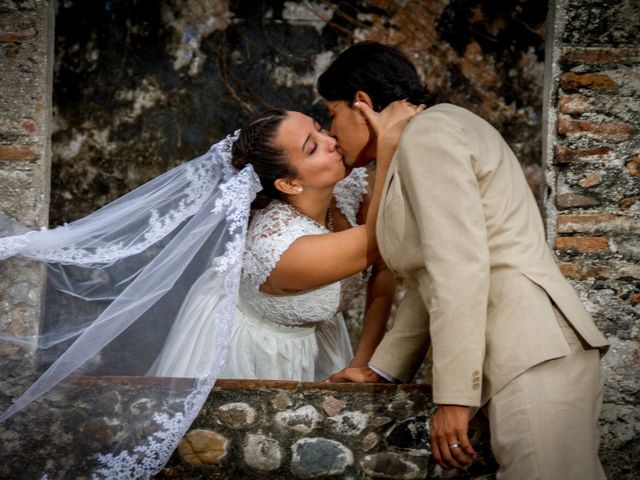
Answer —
384 374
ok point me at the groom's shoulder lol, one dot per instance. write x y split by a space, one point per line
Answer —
448 110
444 117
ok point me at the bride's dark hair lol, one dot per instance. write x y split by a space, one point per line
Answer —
256 146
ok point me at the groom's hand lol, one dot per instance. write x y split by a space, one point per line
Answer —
357 375
449 440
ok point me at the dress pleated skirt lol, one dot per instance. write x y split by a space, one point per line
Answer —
260 349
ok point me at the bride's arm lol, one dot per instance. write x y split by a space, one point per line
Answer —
380 292
316 260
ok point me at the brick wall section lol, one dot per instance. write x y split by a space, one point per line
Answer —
26 63
593 211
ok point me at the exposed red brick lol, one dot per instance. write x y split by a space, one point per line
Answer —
605 131
575 104
583 244
28 126
633 166
600 56
635 298
566 154
586 222
570 270
19 36
626 203
591 81
575 200
579 272
593 179
594 151
17 152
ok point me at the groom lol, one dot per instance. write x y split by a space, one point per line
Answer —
508 333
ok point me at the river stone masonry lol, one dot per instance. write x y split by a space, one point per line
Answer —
316 430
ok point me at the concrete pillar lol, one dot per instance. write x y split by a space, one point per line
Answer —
554 24
26 63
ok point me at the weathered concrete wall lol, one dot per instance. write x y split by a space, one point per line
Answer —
593 178
142 86
26 63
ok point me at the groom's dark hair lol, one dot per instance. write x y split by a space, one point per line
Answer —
383 72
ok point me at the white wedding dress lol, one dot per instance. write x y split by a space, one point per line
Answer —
300 336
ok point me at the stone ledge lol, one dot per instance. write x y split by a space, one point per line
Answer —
287 430
246 429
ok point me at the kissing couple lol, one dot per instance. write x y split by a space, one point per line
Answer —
191 276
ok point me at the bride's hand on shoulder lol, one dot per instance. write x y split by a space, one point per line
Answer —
389 124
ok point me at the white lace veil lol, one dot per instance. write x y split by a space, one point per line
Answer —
83 404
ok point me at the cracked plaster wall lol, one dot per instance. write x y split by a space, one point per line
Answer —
142 86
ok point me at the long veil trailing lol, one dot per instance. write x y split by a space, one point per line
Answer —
114 284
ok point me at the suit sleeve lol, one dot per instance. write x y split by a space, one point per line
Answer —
436 168
402 349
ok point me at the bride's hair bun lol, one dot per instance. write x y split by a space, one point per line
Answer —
238 158
256 146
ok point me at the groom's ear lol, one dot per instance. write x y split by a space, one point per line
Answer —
362 96
288 186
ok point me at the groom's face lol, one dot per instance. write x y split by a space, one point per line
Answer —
355 139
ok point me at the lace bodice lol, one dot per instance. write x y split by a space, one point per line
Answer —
271 232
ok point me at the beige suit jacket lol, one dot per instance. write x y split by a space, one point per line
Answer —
459 219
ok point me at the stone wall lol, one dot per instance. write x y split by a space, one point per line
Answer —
285 430
245 430
26 63
593 207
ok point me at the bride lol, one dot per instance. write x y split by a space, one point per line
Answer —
294 282
168 280
297 275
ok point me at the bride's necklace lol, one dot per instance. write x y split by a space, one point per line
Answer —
329 216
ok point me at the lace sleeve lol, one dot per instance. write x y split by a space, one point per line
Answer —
271 233
349 193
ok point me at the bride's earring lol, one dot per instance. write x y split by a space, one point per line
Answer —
300 189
